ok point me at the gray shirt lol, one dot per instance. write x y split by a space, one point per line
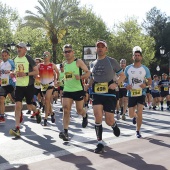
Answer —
104 70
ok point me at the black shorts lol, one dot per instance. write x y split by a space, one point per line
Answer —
133 101
154 95
148 90
164 93
77 96
49 88
108 102
61 88
4 90
27 92
117 95
122 92
37 91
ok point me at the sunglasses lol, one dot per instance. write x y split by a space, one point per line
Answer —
69 51
45 55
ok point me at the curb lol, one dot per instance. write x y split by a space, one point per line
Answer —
11 107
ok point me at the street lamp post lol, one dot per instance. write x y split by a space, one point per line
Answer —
162 52
158 69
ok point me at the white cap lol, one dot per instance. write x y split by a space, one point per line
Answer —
136 48
21 44
102 42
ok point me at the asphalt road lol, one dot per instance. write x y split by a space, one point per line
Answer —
40 148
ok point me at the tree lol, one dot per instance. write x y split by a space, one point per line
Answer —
156 25
8 16
54 16
128 35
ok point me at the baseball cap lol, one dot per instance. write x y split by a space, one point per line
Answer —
21 44
123 61
137 48
102 42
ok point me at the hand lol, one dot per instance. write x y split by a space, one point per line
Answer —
20 74
77 77
129 87
143 85
113 86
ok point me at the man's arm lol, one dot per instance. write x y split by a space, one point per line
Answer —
83 66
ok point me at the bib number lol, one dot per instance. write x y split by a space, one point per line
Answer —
121 86
136 92
37 83
44 87
4 81
68 75
156 88
101 88
165 88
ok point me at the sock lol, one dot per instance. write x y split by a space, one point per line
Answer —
99 130
17 127
1 115
114 125
65 130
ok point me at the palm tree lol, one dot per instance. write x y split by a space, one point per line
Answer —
54 17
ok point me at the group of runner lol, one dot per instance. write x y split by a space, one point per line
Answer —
36 80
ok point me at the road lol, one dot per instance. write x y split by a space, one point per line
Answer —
41 148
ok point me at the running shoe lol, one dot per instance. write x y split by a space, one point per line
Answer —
53 118
99 149
28 112
45 122
123 117
15 132
85 121
61 109
64 136
116 131
138 135
134 120
118 116
2 119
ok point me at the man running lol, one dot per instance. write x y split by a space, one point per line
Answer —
73 88
104 70
25 69
7 83
136 74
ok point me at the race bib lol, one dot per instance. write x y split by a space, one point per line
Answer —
101 88
121 85
166 88
37 83
4 81
156 88
44 87
136 92
68 75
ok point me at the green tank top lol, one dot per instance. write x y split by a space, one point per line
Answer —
22 65
70 82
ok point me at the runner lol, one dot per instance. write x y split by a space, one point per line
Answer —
73 89
48 76
7 83
103 90
164 87
61 79
123 99
25 69
155 92
136 74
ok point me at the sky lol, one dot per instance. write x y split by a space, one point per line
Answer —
111 11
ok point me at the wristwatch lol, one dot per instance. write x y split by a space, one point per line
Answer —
26 74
